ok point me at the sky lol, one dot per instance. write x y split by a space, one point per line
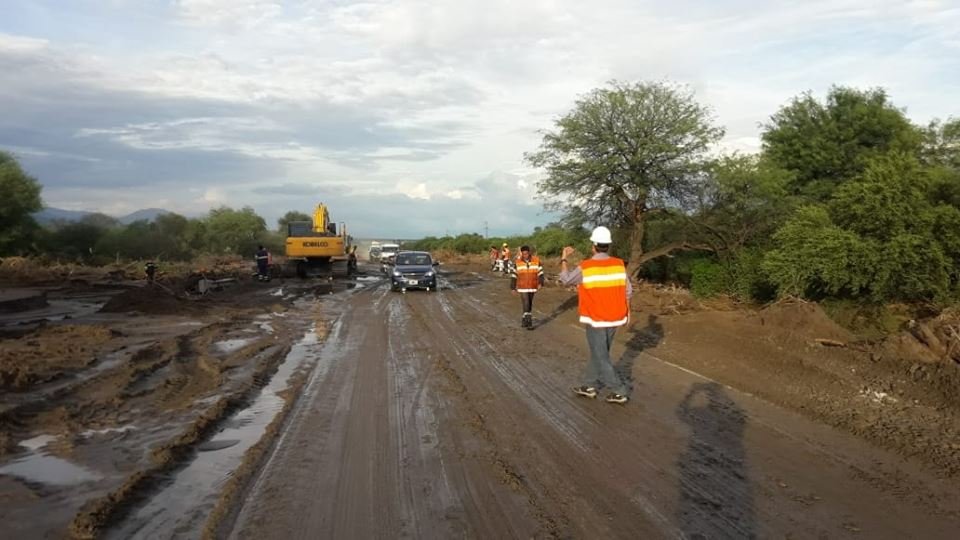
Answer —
409 117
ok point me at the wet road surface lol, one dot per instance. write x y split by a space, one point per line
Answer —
433 415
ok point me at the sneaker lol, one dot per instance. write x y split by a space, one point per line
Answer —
617 398
586 391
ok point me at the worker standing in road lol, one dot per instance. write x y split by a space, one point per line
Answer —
604 294
526 278
494 255
263 264
352 261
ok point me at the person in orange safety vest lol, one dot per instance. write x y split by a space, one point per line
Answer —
526 278
604 296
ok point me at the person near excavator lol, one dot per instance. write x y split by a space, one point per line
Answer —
526 278
604 297
263 264
352 261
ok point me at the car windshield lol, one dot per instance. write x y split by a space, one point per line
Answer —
411 259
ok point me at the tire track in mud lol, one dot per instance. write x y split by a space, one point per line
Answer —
384 448
530 404
550 524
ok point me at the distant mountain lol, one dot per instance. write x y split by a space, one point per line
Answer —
48 215
148 214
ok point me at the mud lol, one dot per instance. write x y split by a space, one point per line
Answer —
305 410
123 398
436 416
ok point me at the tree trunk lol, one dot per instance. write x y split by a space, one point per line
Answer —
636 244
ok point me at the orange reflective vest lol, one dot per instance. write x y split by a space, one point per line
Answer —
528 274
603 293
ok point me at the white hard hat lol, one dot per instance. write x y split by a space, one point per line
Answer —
601 235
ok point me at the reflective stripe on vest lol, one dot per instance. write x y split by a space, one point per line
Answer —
603 293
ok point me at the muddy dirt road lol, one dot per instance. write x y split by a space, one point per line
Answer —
434 415
307 410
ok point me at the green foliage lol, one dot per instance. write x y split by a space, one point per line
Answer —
814 257
548 241
748 280
887 199
708 278
625 151
77 241
19 197
879 237
290 216
743 203
233 231
825 144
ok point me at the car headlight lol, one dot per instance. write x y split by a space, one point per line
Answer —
397 273
428 274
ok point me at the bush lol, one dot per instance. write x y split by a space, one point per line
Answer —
708 278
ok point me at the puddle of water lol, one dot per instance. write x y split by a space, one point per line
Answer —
230 345
266 327
185 503
37 466
107 431
38 442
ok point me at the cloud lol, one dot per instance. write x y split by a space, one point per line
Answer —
409 104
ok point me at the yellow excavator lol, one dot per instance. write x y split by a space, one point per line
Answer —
317 248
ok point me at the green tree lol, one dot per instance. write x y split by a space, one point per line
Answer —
233 231
78 240
744 202
292 215
878 237
19 197
941 144
826 144
625 152
100 220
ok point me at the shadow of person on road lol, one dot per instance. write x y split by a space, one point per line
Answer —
564 307
642 338
715 493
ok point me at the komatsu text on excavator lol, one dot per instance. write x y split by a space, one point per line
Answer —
317 248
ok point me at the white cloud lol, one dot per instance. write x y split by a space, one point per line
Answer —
423 99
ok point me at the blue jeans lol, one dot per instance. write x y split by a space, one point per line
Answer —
600 372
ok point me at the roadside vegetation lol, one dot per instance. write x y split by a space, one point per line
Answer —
848 202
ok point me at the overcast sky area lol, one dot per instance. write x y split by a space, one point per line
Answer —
408 117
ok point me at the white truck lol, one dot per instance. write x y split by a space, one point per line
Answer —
388 251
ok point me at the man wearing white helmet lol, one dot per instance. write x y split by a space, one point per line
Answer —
604 293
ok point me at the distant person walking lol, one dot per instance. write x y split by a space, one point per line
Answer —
263 264
505 258
604 293
494 255
526 278
151 270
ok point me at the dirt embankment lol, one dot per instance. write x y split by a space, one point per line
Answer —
899 392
